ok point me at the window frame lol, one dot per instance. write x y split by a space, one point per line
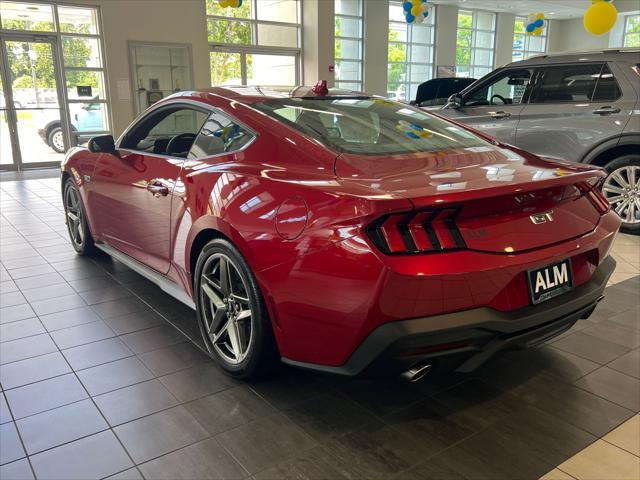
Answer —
231 118
360 19
409 44
526 51
539 75
253 24
498 76
473 48
627 33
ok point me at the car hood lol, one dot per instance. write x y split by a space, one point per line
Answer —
431 178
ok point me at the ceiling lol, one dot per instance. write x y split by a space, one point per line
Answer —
558 9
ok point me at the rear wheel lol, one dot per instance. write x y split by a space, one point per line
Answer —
56 140
231 313
76 220
622 189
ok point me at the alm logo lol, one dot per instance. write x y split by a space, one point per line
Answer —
545 282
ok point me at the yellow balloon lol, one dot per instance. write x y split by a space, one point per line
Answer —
600 18
416 10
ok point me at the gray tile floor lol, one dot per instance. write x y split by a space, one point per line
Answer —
102 375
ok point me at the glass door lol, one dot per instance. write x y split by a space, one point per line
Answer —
32 131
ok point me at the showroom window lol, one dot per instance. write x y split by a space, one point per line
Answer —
255 44
348 44
410 53
525 46
632 31
475 43
55 78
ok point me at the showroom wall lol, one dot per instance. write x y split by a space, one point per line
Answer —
158 21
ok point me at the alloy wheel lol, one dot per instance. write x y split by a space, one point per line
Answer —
75 223
226 308
622 190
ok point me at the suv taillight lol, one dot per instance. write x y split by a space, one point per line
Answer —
425 231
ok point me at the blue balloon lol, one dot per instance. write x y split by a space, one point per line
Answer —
531 27
239 3
410 18
413 135
407 6
538 23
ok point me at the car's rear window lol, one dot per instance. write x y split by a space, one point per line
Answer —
369 126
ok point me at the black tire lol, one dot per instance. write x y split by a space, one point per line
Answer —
623 165
76 220
54 140
262 357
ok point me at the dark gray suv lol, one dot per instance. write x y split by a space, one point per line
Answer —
580 106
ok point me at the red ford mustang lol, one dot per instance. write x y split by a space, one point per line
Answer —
343 232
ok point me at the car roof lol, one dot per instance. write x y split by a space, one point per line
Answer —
255 94
611 55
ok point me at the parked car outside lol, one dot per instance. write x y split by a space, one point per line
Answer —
436 92
583 107
89 119
341 232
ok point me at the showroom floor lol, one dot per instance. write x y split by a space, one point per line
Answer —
99 377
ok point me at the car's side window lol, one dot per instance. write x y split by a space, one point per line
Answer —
506 89
169 131
566 83
607 89
219 134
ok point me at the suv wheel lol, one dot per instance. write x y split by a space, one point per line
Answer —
55 139
622 189
232 316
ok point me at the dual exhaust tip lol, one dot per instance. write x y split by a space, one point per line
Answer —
416 372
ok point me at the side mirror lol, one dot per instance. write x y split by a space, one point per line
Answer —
455 101
102 144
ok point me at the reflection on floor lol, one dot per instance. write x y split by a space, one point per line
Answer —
99 378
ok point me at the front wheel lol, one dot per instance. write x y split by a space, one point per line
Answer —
56 140
622 190
232 316
76 220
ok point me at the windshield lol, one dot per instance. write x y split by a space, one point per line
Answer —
369 126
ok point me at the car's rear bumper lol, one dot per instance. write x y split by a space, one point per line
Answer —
472 336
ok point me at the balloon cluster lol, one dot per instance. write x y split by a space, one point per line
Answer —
230 3
600 17
535 24
413 130
415 11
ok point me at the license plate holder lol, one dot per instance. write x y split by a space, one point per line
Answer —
550 281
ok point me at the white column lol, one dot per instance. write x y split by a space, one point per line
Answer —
376 28
504 39
317 41
446 35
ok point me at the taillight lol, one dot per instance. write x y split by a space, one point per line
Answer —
595 196
417 232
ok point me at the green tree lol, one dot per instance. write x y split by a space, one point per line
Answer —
397 53
463 42
226 66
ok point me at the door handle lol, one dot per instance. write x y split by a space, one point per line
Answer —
157 189
500 114
606 110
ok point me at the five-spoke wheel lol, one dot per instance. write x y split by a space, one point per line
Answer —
76 220
233 319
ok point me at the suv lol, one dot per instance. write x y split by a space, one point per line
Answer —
580 106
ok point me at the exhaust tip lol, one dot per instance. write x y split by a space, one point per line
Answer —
417 372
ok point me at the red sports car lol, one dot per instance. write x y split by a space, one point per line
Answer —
343 232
